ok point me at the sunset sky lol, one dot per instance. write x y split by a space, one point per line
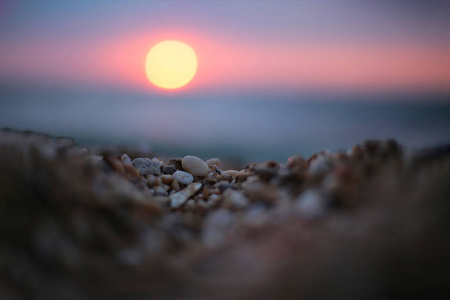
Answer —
274 77
242 46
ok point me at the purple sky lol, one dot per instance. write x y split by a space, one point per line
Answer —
279 46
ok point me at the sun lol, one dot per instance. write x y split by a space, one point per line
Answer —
171 64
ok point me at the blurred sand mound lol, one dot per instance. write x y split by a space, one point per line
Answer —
370 222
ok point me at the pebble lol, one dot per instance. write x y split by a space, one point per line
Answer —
160 162
160 191
229 174
178 199
195 165
126 160
152 180
175 186
147 166
169 169
242 176
183 177
167 179
176 163
213 161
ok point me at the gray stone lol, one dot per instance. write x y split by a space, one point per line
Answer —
147 166
169 169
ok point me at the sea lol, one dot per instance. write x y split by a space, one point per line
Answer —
245 128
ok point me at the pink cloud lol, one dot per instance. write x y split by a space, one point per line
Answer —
225 63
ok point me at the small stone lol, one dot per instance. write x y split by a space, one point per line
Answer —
176 163
213 161
213 179
159 161
229 175
178 199
216 170
242 176
169 169
175 186
160 191
152 180
126 160
195 165
183 177
147 166
167 179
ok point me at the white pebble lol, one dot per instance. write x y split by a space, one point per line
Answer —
194 165
178 199
183 177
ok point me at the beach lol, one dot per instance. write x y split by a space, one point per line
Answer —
81 223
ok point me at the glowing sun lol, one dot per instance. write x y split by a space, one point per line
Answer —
171 64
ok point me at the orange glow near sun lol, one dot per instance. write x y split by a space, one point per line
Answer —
171 64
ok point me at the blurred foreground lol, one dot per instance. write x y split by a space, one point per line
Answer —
371 222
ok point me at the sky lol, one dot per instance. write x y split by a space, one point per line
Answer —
242 46
274 78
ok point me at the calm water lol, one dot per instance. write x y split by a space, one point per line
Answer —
246 128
